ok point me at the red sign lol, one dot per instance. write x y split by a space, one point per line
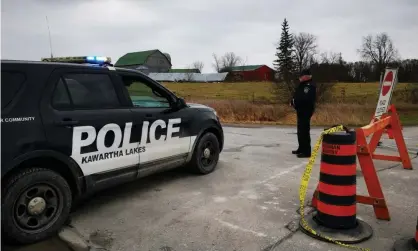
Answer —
387 83
387 87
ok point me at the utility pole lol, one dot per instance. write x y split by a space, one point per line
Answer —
49 34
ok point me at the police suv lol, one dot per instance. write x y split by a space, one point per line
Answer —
71 129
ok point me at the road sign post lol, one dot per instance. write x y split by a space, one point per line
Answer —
386 90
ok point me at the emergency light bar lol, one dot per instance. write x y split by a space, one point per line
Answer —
80 60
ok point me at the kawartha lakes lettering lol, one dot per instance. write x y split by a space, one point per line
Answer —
114 150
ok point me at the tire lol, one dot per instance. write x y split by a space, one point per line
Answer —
36 203
199 163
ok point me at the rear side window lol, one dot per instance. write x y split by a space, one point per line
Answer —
11 82
61 99
85 91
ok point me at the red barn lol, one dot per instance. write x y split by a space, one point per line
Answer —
251 73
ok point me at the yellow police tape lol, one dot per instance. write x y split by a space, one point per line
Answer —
304 185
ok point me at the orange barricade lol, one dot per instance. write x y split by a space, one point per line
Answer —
388 123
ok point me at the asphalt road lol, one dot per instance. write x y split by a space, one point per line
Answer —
249 203
53 244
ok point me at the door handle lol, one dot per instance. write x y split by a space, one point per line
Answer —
67 122
148 115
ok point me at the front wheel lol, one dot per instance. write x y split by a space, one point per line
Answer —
36 203
206 154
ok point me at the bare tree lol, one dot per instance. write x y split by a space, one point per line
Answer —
330 57
327 73
379 50
305 49
242 63
188 74
230 60
217 64
198 65
312 60
227 61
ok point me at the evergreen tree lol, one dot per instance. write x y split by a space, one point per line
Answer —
284 63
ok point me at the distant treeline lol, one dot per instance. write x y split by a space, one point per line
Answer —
363 71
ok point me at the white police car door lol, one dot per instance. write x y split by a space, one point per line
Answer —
164 131
84 119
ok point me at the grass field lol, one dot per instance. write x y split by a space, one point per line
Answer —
325 114
260 102
265 91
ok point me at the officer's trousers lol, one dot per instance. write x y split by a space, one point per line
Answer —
304 128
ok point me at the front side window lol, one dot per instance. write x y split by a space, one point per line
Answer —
85 91
144 96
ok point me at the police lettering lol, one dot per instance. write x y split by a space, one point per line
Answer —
86 135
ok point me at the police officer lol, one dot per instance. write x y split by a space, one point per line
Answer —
304 103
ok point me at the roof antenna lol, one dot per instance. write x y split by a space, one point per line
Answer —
49 33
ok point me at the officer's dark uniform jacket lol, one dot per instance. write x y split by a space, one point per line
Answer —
304 102
304 98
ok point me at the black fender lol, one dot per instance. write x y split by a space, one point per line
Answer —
209 125
72 166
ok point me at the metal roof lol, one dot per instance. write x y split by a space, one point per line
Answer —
245 67
138 58
188 77
194 70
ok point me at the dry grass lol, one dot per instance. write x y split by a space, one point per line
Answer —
265 92
260 102
326 114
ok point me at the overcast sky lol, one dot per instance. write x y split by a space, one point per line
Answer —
191 30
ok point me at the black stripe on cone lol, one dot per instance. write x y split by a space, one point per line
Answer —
336 201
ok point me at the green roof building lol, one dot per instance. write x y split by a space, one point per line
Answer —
146 61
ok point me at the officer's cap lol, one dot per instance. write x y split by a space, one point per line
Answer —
305 72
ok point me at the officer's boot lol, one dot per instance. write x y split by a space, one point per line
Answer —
303 155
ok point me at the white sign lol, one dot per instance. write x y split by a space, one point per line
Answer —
386 90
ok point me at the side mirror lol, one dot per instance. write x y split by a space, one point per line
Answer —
180 103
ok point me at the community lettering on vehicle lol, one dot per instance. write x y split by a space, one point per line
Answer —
86 135
18 119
